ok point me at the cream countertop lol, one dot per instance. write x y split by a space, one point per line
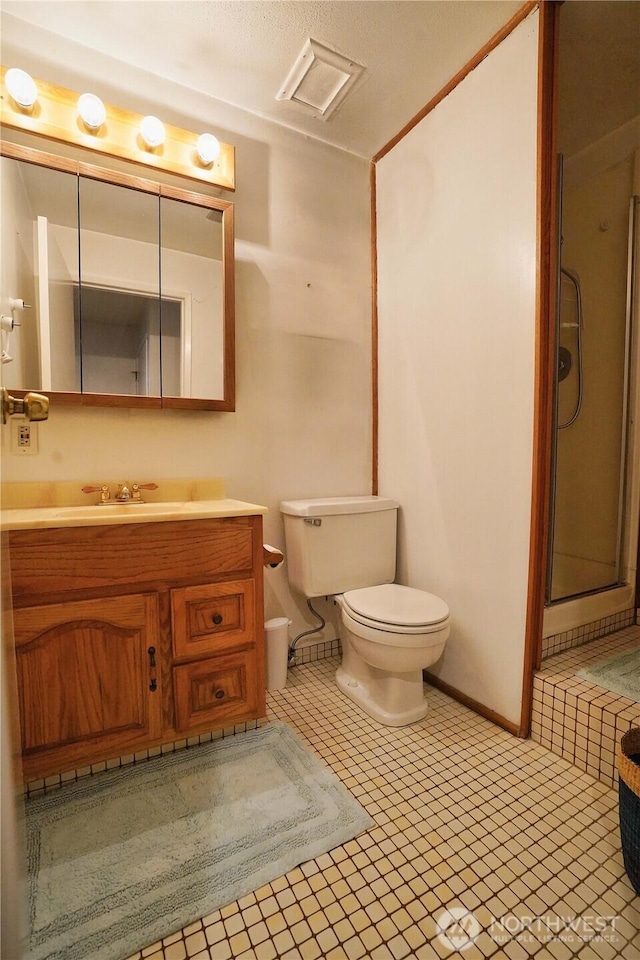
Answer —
44 505
96 515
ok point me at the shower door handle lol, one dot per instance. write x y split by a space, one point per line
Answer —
573 277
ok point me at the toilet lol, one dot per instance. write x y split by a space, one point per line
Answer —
345 547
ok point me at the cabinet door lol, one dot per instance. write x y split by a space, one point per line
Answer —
212 618
213 693
87 681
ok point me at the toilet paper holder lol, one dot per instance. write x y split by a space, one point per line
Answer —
271 556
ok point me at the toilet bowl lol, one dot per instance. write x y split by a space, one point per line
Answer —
390 633
345 547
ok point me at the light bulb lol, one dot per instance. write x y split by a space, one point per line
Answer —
207 149
152 131
91 110
21 86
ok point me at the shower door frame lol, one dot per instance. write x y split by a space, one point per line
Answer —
547 257
545 347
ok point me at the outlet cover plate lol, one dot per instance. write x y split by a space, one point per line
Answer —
24 437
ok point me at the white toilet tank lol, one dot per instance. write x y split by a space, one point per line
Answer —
337 544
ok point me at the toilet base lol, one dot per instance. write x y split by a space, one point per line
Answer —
394 700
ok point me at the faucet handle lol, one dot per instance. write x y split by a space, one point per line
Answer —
137 487
103 490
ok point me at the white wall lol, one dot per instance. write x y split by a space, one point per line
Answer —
302 425
456 205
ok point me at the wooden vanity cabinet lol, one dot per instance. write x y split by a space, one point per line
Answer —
132 635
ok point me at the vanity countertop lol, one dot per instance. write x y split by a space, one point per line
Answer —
32 506
33 518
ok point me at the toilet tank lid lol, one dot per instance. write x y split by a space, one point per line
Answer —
330 506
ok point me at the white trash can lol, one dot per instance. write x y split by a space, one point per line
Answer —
276 635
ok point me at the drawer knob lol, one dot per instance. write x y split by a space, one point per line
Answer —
217 618
219 694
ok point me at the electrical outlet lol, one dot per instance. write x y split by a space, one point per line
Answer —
24 437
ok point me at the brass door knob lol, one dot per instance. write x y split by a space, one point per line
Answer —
33 406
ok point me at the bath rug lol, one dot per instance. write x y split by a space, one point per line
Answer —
121 860
620 674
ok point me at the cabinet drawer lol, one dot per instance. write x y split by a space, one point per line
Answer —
212 618
212 693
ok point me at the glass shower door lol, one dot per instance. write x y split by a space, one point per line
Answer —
593 327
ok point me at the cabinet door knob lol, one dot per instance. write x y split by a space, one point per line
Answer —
219 694
217 618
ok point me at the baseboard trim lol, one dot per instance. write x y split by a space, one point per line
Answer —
480 708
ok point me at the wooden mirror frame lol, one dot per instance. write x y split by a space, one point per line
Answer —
225 207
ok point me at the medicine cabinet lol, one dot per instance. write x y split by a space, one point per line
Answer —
130 284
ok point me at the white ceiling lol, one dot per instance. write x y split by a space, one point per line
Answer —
240 51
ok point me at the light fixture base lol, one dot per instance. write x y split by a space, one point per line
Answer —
119 136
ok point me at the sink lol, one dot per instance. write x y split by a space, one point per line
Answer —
115 509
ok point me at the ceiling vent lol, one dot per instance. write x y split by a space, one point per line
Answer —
320 79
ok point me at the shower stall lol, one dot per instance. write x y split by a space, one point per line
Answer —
595 487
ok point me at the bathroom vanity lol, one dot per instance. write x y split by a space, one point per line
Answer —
133 630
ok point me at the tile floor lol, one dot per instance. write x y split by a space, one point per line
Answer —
521 847
579 720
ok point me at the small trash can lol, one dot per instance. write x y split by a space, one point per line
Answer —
276 635
629 789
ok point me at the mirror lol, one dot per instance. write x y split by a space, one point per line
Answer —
130 284
116 303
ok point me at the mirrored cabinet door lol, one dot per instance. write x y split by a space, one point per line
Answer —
40 267
192 307
130 282
117 305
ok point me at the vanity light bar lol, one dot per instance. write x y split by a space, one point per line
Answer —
55 114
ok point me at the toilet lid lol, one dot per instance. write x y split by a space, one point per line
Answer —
394 604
